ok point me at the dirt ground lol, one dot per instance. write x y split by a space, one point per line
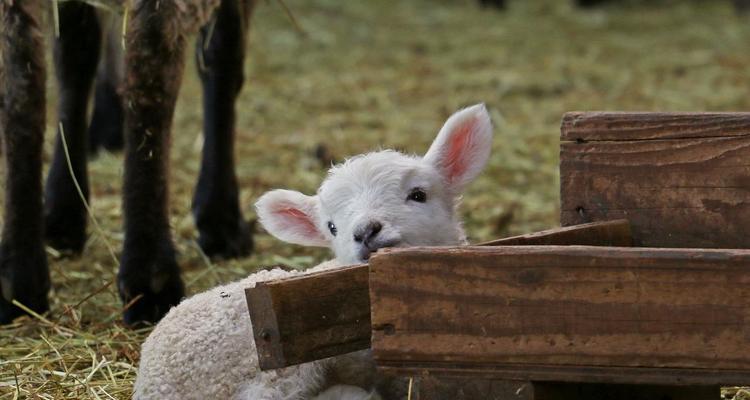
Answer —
368 75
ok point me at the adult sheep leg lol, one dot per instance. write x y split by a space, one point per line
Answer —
106 129
76 55
220 53
149 278
23 264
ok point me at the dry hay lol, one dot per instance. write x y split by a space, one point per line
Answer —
387 73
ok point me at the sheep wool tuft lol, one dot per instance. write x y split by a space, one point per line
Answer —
204 349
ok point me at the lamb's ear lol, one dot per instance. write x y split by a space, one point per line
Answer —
291 216
462 147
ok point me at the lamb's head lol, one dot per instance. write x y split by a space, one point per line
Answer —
385 198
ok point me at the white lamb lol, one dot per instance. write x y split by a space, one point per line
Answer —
203 348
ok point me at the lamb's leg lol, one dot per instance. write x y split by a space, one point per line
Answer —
220 53
76 55
149 278
23 263
106 129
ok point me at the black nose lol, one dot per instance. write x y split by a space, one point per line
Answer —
368 232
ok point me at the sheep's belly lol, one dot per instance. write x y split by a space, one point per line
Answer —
192 13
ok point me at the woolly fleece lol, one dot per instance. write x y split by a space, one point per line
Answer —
204 349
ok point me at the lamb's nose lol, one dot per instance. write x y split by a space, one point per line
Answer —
368 232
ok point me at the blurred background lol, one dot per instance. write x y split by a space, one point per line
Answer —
363 75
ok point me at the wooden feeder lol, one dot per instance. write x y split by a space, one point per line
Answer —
570 313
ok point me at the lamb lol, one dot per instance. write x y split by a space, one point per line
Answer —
203 348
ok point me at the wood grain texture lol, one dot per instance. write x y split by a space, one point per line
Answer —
320 315
605 233
310 317
682 180
265 327
601 126
564 313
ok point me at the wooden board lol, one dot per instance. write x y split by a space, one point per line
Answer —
681 179
603 233
310 317
320 315
564 313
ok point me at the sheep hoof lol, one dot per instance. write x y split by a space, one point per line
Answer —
24 278
65 227
148 293
226 241
68 240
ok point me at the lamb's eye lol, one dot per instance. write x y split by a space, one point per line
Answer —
418 195
332 228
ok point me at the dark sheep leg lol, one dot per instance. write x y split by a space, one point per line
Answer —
220 55
499 4
107 120
149 278
76 55
590 3
23 264
742 7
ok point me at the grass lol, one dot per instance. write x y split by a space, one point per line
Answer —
381 74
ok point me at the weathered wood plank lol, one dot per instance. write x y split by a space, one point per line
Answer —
310 317
265 327
600 125
692 190
606 233
320 315
564 313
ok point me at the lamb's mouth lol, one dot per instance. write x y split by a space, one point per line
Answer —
366 251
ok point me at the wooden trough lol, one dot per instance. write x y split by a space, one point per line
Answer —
551 315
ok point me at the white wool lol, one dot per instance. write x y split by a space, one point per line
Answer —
203 348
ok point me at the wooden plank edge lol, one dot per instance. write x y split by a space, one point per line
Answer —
358 268
569 373
616 233
265 327
595 126
265 322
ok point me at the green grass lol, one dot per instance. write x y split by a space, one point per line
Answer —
382 74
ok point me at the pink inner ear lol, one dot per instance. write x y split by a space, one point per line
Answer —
298 220
456 161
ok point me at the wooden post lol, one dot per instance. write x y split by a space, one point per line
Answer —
681 179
